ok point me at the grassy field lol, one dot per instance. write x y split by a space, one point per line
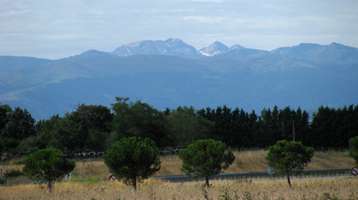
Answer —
246 161
342 188
88 183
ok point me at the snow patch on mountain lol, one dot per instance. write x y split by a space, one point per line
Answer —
172 47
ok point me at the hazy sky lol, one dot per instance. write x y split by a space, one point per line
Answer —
58 28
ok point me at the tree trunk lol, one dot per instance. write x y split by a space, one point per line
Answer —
207 181
134 182
49 186
288 179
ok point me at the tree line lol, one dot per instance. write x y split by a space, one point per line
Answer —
96 127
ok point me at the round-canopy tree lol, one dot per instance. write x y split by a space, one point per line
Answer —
289 156
47 165
353 148
133 159
206 158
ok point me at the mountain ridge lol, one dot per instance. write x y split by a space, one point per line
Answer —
303 75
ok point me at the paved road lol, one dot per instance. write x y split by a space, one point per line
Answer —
330 172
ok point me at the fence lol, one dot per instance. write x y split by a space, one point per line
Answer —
328 172
93 155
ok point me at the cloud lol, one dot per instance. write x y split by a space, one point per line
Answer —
205 19
61 27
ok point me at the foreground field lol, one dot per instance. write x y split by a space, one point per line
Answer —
88 183
342 188
246 161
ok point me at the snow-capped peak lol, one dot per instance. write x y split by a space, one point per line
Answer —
171 46
236 46
214 49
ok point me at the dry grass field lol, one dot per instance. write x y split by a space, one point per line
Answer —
246 161
342 188
88 183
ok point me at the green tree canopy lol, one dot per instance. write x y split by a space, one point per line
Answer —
93 117
86 128
70 137
4 111
333 127
20 124
206 158
17 126
139 119
353 148
185 126
289 156
47 165
93 124
133 159
46 132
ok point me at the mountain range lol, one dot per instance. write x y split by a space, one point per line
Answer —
169 73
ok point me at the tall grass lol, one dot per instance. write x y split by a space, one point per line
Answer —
258 189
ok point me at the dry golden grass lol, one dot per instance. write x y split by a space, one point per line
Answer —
88 182
255 160
10 167
331 160
88 169
246 161
258 189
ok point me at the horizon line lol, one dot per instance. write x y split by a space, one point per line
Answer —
170 38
